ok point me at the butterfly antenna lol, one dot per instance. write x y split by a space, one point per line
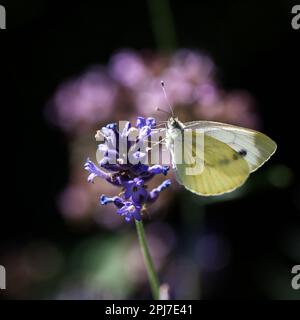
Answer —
161 110
166 97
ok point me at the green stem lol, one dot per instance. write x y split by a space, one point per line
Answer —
162 24
153 279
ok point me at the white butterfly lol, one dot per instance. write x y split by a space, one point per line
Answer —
229 154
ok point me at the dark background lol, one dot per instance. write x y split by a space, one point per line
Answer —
254 47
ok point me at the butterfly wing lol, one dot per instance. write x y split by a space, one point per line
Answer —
224 169
255 147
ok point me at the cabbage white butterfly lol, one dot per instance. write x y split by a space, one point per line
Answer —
229 154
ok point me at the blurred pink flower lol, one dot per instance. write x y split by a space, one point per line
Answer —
129 86
128 69
83 101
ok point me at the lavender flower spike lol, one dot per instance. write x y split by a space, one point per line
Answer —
131 178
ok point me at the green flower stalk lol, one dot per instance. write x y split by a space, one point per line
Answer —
153 279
